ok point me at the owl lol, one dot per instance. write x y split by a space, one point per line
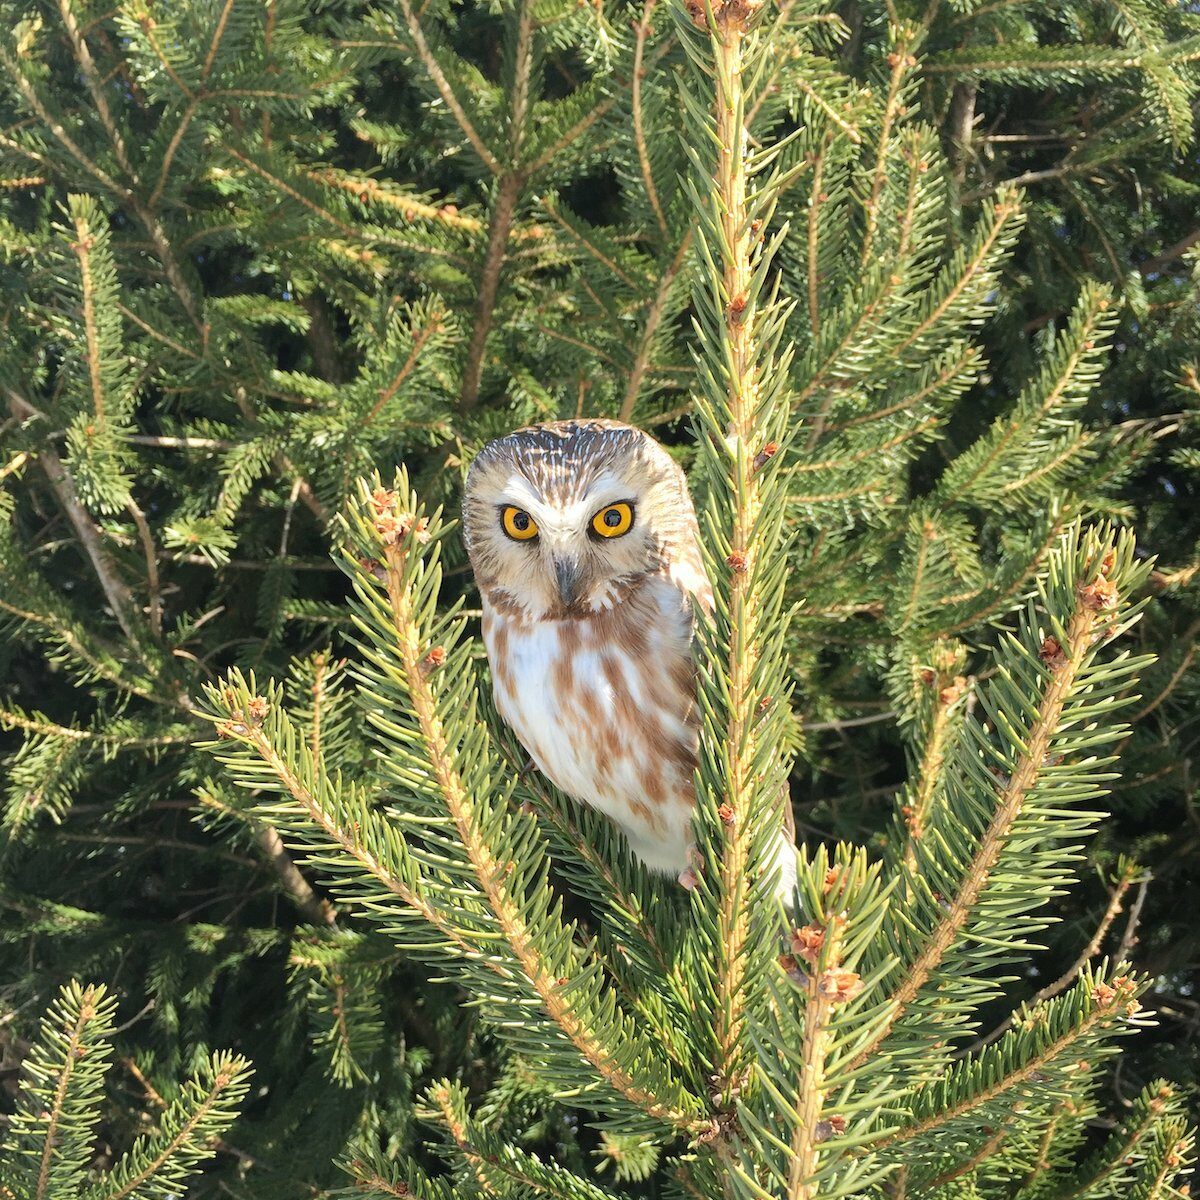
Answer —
583 540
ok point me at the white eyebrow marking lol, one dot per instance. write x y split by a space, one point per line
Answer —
569 513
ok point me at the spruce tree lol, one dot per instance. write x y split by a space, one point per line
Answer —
252 253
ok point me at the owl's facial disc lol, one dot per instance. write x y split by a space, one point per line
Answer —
568 547
563 520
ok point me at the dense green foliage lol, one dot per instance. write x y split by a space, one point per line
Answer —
50 1147
251 253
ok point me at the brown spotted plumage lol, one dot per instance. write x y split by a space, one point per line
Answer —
583 541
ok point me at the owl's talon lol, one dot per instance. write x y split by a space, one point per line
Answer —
689 879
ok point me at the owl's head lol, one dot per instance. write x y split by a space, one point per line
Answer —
563 519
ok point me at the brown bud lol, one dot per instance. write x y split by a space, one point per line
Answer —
1099 594
948 695
434 659
765 455
839 987
807 942
374 568
1052 654
824 1130
791 969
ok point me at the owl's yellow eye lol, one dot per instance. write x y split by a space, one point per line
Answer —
613 519
519 524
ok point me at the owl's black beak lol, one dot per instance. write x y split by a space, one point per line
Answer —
568 574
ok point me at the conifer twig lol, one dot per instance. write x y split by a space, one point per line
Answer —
1019 784
120 598
901 63
985 1151
193 1124
654 315
641 30
318 911
499 227
72 1053
154 600
510 184
1005 1082
811 1086
929 773
91 78
813 240
1130 936
728 31
1112 910
447 93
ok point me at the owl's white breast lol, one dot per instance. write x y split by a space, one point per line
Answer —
605 707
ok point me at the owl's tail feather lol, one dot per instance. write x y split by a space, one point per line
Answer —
785 870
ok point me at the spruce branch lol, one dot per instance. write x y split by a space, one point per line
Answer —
83 1017
1128 876
920 795
1050 1042
739 324
29 94
904 40
496 1166
650 329
410 648
378 1177
116 591
641 31
433 68
473 878
1025 747
1107 1172
504 205
186 1133
49 1153
813 247
511 179
91 78
150 551
812 1086
367 189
